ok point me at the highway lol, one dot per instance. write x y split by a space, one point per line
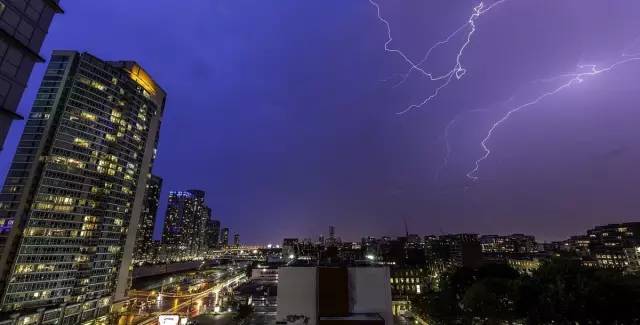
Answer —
204 291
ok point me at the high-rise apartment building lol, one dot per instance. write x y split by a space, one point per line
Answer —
185 221
23 27
74 193
144 239
213 233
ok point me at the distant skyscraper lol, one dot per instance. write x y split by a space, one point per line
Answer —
236 240
144 239
72 200
331 241
213 233
185 221
224 237
23 27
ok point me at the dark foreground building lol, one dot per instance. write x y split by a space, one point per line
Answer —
23 27
336 295
74 194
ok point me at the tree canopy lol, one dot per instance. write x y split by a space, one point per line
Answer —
561 291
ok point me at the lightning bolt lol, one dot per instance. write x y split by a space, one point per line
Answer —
458 70
406 75
447 143
387 48
588 70
447 147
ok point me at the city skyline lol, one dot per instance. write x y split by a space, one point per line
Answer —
283 143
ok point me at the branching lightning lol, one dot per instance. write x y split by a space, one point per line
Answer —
632 53
585 71
458 70
447 144
406 75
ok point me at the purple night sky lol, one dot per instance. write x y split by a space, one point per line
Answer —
284 112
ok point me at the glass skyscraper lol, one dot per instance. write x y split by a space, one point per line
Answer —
185 222
75 191
144 240
23 27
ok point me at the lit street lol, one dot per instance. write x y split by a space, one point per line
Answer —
188 294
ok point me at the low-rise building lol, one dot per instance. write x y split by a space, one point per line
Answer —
334 295
264 274
409 281
525 265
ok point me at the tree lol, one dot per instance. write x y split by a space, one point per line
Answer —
561 291
564 291
244 312
492 300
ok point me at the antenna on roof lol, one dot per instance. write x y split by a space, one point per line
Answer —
406 228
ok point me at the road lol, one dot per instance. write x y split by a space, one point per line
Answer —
191 299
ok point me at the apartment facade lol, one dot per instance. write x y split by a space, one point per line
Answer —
74 193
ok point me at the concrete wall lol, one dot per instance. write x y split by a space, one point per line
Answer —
370 291
297 290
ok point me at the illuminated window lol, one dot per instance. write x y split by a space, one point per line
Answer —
89 116
24 268
81 142
63 208
43 206
90 218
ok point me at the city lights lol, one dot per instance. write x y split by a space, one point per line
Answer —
274 162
